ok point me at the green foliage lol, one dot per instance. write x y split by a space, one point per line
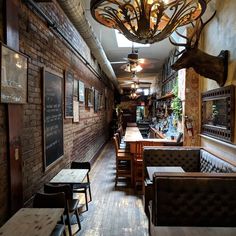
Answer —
176 103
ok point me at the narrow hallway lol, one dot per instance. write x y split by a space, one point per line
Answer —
113 211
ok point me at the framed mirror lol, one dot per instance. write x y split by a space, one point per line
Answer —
218 112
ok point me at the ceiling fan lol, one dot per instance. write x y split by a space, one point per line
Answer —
135 64
134 80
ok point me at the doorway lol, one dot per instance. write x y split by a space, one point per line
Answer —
139 113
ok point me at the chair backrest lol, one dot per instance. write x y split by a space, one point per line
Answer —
49 200
116 143
80 165
120 131
117 135
141 144
129 124
65 188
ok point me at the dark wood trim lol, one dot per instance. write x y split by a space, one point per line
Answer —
15 114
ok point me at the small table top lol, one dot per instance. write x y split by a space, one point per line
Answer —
69 176
32 221
152 169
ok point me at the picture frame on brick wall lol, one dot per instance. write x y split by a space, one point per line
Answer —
76 111
76 89
81 91
14 67
88 97
69 94
96 100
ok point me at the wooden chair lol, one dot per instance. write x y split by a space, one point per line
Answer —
138 174
54 200
118 146
129 124
72 205
85 186
124 163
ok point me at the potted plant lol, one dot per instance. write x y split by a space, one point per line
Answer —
176 103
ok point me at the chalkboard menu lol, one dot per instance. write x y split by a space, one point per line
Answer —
69 89
53 118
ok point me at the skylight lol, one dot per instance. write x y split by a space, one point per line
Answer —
123 42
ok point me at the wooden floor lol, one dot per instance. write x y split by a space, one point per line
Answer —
113 211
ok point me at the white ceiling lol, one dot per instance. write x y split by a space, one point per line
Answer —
155 54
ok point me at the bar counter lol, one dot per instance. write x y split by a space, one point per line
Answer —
132 135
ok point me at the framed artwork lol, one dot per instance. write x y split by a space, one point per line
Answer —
52 118
69 92
76 111
101 101
76 87
88 97
96 100
81 91
13 76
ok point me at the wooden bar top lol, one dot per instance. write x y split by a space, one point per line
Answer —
69 176
132 134
32 221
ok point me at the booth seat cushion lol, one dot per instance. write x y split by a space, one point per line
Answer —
211 163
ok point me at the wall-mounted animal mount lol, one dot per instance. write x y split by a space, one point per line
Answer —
212 67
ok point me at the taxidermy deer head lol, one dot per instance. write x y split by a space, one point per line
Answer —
212 67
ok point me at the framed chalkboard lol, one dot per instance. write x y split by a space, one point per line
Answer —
52 117
13 66
69 92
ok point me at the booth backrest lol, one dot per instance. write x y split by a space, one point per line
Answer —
187 158
211 163
191 159
194 199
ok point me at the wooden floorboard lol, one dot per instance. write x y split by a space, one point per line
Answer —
114 211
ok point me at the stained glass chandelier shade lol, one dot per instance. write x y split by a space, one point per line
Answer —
147 21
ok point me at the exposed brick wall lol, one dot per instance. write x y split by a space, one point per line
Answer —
81 140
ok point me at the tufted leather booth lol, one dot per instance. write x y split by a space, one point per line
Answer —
195 161
191 159
194 199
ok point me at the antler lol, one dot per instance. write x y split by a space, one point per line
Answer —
193 40
212 67
200 28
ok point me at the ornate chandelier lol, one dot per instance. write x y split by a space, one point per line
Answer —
147 21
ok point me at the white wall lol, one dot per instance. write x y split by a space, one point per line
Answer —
220 34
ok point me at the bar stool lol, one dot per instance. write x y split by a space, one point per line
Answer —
124 164
119 147
138 174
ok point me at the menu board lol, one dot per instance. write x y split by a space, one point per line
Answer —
53 118
69 89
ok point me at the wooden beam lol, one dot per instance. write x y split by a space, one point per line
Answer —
15 114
